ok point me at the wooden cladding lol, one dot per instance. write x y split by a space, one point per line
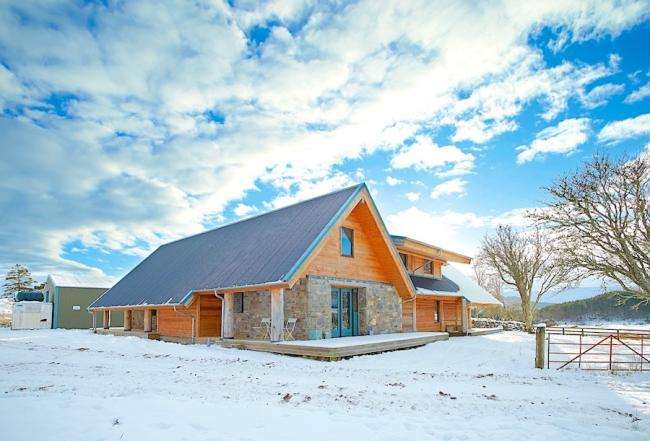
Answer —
368 261
209 316
449 313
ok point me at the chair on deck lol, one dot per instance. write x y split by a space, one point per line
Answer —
264 329
289 328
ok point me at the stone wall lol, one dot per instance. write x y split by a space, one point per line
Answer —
257 306
380 308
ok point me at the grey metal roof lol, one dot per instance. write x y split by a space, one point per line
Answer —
453 283
259 250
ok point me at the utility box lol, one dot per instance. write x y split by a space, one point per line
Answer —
31 315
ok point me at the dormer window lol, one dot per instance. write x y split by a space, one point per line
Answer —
347 242
428 267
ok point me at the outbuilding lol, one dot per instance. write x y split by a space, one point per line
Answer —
71 295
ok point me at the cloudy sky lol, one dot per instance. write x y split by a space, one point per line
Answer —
127 124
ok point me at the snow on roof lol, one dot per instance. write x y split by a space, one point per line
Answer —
81 281
456 284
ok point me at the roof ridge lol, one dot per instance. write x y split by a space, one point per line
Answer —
263 214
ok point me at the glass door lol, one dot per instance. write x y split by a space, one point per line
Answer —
344 312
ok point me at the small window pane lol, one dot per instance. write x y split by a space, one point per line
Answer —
428 267
347 242
405 260
239 302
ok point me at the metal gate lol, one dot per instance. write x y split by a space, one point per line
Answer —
598 349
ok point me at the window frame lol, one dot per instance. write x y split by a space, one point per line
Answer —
350 238
236 303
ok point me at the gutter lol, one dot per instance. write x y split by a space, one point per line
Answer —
184 314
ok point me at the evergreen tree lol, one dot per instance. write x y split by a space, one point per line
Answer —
18 278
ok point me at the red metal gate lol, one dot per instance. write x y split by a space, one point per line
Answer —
599 349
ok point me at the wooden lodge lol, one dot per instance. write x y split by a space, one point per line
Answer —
320 269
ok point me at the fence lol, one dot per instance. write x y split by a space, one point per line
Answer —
604 349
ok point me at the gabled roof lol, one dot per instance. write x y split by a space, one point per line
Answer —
261 250
454 284
80 281
427 250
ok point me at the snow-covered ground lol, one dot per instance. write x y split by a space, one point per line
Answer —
73 385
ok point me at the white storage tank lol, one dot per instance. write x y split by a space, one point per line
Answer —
31 315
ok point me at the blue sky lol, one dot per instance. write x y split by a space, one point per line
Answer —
129 125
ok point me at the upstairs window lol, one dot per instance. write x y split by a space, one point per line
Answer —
347 242
428 267
405 260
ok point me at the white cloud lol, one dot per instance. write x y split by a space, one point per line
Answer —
390 180
242 210
457 231
412 196
641 93
564 138
627 128
452 186
424 154
171 114
599 95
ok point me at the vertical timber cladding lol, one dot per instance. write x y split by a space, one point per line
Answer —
449 314
206 311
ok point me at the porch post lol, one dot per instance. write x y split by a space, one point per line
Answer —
464 325
277 314
147 320
107 319
94 321
127 320
228 315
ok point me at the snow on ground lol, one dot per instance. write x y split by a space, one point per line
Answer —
73 385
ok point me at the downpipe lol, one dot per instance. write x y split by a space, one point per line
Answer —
184 314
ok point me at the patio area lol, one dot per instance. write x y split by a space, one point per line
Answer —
333 349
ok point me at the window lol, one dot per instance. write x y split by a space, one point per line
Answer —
347 242
436 311
428 267
405 260
238 302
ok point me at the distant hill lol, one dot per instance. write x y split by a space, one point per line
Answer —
516 301
608 306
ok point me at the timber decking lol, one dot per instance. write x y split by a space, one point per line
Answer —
327 349
338 348
132 333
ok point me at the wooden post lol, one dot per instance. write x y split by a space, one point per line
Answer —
107 319
540 337
94 321
147 320
127 320
229 315
277 314
464 325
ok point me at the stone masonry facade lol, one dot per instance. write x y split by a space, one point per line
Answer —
379 304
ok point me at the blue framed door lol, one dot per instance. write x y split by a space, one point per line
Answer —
344 312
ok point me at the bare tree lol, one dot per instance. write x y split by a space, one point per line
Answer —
601 217
526 261
488 280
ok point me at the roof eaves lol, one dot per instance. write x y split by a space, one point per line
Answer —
322 234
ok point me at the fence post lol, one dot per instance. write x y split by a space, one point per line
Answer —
540 336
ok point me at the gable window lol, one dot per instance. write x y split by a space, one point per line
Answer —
428 267
405 260
347 242
238 302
